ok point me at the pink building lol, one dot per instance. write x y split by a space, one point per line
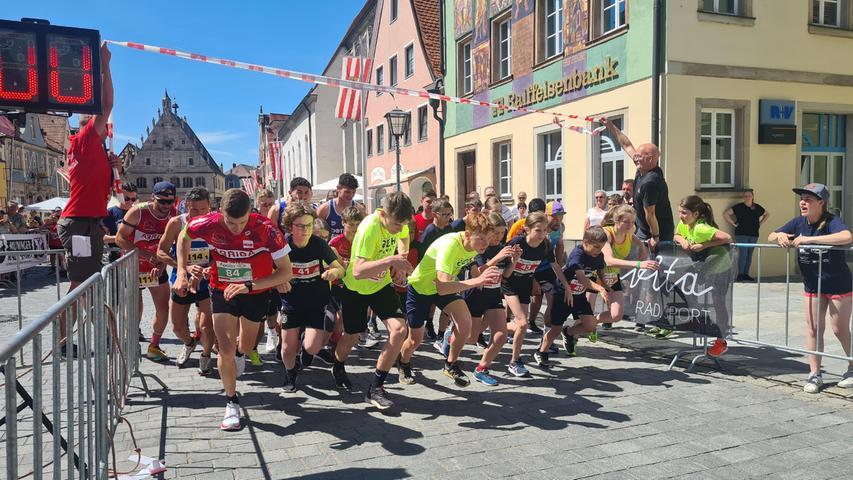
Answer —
407 54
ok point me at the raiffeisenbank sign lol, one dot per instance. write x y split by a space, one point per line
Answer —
547 89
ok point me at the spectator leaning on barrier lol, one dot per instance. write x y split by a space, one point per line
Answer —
816 226
747 217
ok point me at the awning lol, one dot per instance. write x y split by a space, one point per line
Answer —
404 177
48 205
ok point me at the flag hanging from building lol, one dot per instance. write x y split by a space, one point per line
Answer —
276 164
349 99
250 185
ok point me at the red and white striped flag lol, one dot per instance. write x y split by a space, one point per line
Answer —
275 161
349 100
249 185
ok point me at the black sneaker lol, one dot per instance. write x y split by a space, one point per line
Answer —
430 331
532 327
568 344
326 356
306 359
455 372
405 373
640 328
289 383
481 341
341 379
747 278
607 326
377 397
542 359
278 353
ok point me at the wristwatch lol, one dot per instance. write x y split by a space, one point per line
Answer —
249 285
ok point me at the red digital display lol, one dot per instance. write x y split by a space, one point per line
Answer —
70 70
18 69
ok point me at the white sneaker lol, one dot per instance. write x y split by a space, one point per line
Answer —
184 356
205 365
813 384
847 379
439 346
231 420
241 365
272 340
367 341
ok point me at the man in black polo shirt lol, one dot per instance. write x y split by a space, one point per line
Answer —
747 218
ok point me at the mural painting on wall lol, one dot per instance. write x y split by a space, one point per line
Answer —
464 19
575 30
522 8
481 21
481 58
496 6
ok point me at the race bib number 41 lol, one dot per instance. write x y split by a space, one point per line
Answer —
233 272
306 270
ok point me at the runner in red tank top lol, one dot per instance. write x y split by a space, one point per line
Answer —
243 246
141 229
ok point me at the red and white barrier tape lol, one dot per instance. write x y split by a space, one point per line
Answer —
337 82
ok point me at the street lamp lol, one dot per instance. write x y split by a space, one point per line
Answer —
398 123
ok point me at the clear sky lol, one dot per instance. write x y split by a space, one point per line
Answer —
221 103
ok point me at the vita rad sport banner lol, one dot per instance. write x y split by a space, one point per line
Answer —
21 243
690 291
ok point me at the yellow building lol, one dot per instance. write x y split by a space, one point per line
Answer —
735 77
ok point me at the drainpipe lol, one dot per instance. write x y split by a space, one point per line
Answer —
439 88
657 47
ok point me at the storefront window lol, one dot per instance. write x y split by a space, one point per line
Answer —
824 146
716 152
611 160
551 161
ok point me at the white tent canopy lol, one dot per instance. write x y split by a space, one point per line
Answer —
321 189
48 205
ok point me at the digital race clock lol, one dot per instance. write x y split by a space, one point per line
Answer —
47 68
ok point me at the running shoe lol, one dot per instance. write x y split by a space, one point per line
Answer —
306 358
663 333
542 359
455 372
593 336
640 328
553 349
272 340
653 331
813 383
438 345
483 377
607 326
184 356
847 379
326 356
430 331
240 362
205 365
255 359
367 341
569 344
445 345
532 327
481 341
289 383
341 379
718 348
231 420
517 369
405 373
155 353
377 397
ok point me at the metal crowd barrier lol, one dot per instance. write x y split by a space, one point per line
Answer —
821 251
17 256
78 404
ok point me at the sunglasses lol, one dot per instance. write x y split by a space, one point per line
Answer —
165 201
130 199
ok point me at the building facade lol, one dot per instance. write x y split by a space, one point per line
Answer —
33 156
721 62
408 55
171 151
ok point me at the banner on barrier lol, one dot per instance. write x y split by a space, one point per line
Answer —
690 291
21 243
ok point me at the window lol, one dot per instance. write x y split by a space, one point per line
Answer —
551 164
727 7
380 139
551 21
392 141
407 134
142 182
410 60
190 161
502 40
464 68
175 181
612 15
157 180
610 160
423 123
188 182
502 152
369 143
826 13
824 147
380 78
717 148
392 71
394 10
199 182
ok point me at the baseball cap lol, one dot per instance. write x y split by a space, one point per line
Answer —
554 208
164 188
817 189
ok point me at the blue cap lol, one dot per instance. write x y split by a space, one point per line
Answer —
164 188
817 189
